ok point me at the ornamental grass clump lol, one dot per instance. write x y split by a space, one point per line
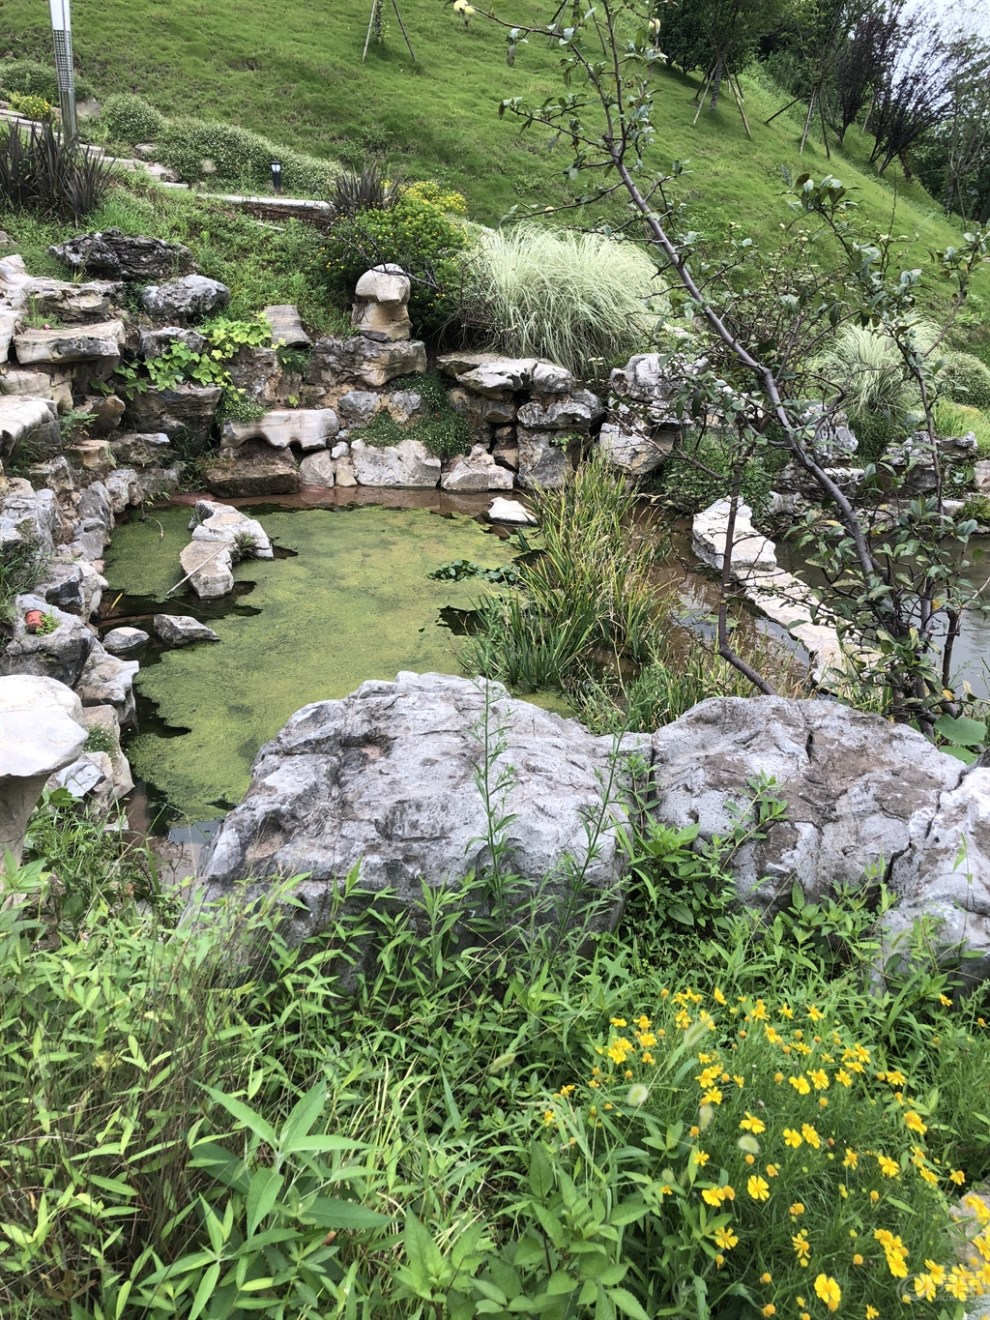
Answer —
582 300
771 1160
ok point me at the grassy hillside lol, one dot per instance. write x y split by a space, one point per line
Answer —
299 80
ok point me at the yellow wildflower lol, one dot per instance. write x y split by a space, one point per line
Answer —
726 1239
811 1135
914 1122
758 1188
800 1084
829 1291
792 1138
751 1124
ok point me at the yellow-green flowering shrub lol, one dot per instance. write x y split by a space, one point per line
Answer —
776 1159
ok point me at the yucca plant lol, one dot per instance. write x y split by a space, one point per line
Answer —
578 299
368 190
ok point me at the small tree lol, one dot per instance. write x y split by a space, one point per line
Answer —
898 590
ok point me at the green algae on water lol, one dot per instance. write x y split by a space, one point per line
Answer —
354 602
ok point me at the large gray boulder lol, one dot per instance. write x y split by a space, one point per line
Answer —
186 413
192 298
857 789
408 463
85 343
41 729
363 361
387 781
60 654
115 255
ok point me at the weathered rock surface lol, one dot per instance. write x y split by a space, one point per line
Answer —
154 343
185 413
511 511
28 426
109 681
408 463
182 630
287 326
100 343
125 641
141 450
60 654
316 471
41 729
118 256
493 376
569 412
709 538
191 298
257 373
855 787
944 876
309 428
363 361
386 780
634 450
256 470
476 471
543 462
381 304
220 537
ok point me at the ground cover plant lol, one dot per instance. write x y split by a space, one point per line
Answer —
701 1114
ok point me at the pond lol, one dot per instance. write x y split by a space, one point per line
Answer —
348 597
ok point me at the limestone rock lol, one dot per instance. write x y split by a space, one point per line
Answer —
60 654
256 470
34 383
709 538
191 298
220 536
29 518
257 373
42 730
287 327
74 587
381 304
647 379
124 489
72 304
944 876
493 376
154 343
316 471
108 681
182 630
28 426
363 361
102 342
187 412
209 569
141 450
408 463
385 781
633 450
543 461
309 428
476 471
856 788
125 641
359 407
568 412
118 256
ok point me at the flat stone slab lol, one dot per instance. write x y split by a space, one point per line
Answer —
309 428
182 630
493 376
68 344
287 326
28 422
511 511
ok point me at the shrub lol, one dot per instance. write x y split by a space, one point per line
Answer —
698 473
867 365
42 173
416 235
955 419
965 379
130 119
443 431
578 299
31 78
196 149
31 107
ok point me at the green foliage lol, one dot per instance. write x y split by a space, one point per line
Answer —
586 600
31 107
415 234
197 149
179 363
441 429
459 569
43 174
32 78
580 299
700 472
965 379
955 419
879 390
369 190
21 567
383 431
977 508
130 119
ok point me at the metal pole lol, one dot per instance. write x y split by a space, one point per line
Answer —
62 41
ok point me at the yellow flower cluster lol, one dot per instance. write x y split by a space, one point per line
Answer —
825 1076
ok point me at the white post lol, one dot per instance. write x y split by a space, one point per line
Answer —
62 41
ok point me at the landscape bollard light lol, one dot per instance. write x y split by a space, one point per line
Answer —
62 41
277 177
